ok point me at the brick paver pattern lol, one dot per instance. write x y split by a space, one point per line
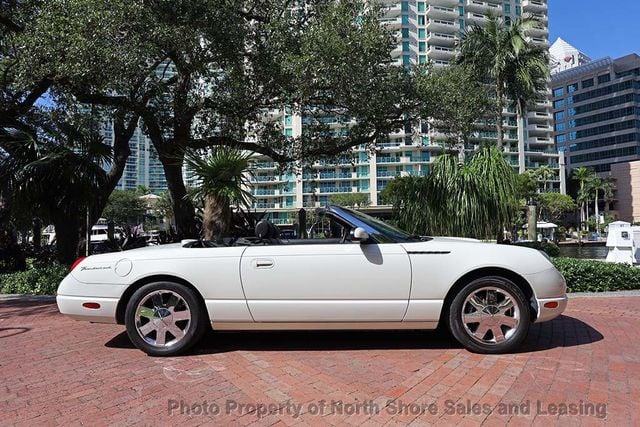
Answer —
57 371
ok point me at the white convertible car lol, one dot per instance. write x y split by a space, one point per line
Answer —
361 274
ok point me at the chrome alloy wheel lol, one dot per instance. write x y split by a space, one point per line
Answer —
490 315
162 318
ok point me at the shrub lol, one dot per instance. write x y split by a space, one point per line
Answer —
597 276
34 281
549 248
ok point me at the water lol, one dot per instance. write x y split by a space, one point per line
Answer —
584 252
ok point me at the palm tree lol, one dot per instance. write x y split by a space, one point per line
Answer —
223 181
583 175
608 189
58 179
527 82
544 173
596 184
470 200
504 54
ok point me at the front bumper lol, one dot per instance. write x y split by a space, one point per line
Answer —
550 289
546 313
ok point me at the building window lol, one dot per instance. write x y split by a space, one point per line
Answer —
422 33
604 78
423 59
461 22
572 87
404 6
422 46
587 83
405 19
559 91
559 116
405 47
406 60
460 10
518 10
420 6
405 33
421 20
507 8
558 104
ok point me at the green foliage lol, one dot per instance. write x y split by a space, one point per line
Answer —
453 98
125 207
549 248
556 204
597 276
351 199
34 281
472 200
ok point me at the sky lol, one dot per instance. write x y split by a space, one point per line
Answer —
598 28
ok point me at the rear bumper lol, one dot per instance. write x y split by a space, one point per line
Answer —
72 294
72 306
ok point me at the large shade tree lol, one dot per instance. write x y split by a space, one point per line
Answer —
204 73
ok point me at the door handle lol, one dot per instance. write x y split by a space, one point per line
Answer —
263 263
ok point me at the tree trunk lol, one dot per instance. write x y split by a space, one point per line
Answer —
68 237
499 105
597 208
37 233
216 218
183 209
522 125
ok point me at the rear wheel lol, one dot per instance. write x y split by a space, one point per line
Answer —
490 315
164 318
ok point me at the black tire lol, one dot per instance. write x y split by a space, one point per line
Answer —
158 317
496 337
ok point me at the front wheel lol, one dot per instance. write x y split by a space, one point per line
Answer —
164 319
490 315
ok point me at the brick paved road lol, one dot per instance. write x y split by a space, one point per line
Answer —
58 371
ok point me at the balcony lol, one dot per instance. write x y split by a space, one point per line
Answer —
441 12
388 160
264 178
481 6
440 25
392 23
444 3
534 6
475 18
441 39
335 176
441 53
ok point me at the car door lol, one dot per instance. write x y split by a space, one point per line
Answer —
333 282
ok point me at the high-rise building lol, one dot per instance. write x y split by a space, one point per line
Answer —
596 109
427 31
143 167
563 56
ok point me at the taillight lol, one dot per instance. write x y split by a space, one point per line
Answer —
75 264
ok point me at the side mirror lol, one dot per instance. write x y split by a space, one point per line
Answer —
360 235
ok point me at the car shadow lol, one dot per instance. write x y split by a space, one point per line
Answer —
564 331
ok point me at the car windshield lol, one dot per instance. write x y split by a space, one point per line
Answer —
383 228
